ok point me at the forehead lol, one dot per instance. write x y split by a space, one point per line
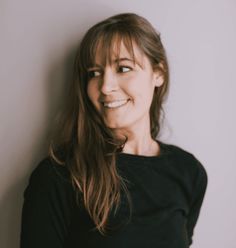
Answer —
118 47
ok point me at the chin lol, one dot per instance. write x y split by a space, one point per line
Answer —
114 125
118 125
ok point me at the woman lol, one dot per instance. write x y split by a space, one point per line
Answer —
108 181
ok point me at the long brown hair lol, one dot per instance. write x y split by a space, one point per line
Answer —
81 140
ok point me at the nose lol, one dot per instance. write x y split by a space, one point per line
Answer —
108 82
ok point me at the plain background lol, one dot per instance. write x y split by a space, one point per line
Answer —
37 46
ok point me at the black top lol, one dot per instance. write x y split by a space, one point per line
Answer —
167 192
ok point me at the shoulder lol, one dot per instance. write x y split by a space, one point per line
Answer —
48 168
189 170
186 160
176 150
48 176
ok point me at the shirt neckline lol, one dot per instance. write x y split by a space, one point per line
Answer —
164 151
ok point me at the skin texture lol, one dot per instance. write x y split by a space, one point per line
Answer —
125 80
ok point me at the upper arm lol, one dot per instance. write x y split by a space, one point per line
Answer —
46 211
199 190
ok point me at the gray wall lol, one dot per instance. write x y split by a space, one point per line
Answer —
37 44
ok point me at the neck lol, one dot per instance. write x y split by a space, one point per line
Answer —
139 140
147 148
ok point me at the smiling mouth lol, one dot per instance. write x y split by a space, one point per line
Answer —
115 104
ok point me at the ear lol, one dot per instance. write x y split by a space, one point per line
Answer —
158 75
159 80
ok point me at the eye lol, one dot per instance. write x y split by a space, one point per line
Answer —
92 74
124 68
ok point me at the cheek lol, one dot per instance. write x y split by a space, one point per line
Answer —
140 90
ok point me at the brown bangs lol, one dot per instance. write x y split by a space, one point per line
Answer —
107 47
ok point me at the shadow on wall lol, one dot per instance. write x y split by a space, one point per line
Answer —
55 87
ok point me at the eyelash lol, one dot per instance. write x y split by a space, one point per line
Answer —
90 73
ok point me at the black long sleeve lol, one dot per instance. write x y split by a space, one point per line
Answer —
167 192
197 199
47 208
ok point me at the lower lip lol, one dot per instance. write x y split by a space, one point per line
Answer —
107 108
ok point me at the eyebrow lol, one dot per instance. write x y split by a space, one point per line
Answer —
122 59
115 61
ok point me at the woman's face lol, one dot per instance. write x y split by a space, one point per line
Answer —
128 87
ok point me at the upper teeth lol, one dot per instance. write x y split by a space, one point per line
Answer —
115 103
